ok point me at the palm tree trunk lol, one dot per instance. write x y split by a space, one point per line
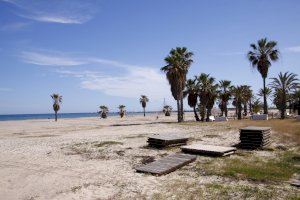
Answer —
56 116
178 110
208 113
265 98
144 111
226 110
250 106
239 106
181 105
196 115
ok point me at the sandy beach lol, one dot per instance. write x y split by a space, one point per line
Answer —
92 158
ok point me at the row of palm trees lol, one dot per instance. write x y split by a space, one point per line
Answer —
207 90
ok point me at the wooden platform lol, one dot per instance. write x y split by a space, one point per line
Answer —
210 150
167 164
166 140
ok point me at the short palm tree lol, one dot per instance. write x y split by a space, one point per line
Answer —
143 100
224 95
247 95
122 110
260 57
57 99
238 93
256 105
267 91
212 96
167 110
296 100
178 63
103 111
205 84
191 91
283 85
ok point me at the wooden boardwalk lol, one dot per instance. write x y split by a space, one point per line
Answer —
167 140
167 164
209 150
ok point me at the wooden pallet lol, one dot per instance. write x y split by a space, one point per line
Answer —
165 140
210 150
167 164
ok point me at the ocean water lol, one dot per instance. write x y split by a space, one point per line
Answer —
60 115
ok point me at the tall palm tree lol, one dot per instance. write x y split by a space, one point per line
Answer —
57 99
103 111
178 63
167 110
224 95
260 57
283 85
205 84
143 100
122 110
212 96
191 91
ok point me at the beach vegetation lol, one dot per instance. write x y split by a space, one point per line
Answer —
261 57
177 65
57 100
143 101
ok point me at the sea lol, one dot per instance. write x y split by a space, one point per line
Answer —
60 115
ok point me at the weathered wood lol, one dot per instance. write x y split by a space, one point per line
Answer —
165 140
167 164
208 149
253 137
221 119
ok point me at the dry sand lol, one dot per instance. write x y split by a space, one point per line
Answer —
91 158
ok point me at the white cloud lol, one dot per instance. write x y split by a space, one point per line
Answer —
295 49
13 26
55 11
130 81
52 59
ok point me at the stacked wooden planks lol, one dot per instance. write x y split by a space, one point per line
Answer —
253 137
209 150
167 164
259 117
166 140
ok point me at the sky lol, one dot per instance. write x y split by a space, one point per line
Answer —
109 52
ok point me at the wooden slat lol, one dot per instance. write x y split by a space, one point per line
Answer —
208 149
167 164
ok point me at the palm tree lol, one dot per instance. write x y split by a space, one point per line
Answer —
57 99
224 95
143 100
283 85
205 84
178 63
256 105
247 94
296 100
167 110
238 92
191 91
122 110
261 56
103 111
212 96
267 91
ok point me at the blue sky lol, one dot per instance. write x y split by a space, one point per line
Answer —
110 51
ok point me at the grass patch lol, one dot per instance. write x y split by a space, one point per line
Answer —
179 189
280 169
211 136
